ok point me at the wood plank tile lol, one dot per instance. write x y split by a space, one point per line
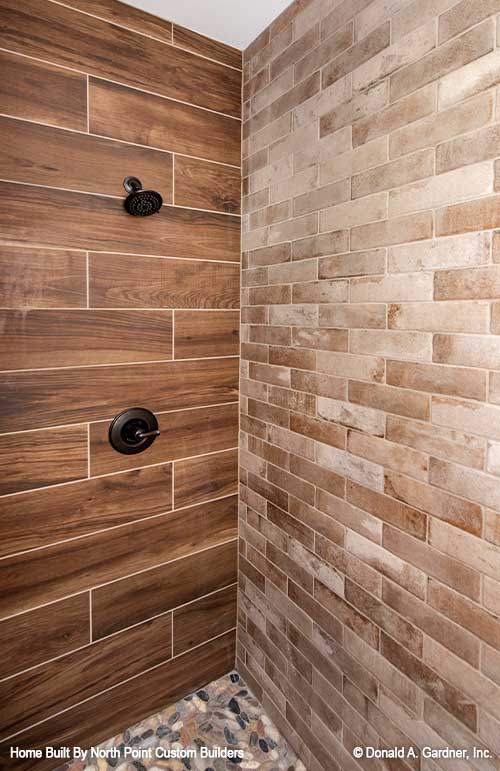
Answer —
63 36
205 185
43 155
125 15
42 278
209 476
81 221
205 46
57 685
44 517
58 338
128 703
44 398
144 595
205 618
206 333
45 575
162 123
40 458
183 433
30 638
39 91
128 281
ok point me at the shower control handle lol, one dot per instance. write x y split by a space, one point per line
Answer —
133 431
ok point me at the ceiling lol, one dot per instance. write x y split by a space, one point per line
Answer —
236 22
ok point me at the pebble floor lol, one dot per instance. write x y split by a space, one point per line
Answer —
224 714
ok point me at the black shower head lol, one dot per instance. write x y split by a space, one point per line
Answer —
139 202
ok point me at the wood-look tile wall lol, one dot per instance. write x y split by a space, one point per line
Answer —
114 565
370 517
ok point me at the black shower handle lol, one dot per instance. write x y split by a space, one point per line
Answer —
140 435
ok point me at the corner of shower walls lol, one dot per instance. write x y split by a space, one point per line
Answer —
370 492
118 572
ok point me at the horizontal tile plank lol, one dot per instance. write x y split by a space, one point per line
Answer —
203 185
209 476
205 46
205 618
206 333
42 278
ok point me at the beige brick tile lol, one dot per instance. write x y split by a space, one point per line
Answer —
272 48
320 339
283 104
394 174
266 136
291 272
295 51
251 203
479 419
270 294
270 215
296 315
320 384
493 467
320 292
461 252
354 161
355 56
439 127
361 316
329 148
345 464
481 214
416 227
353 213
434 440
403 113
334 242
292 229
276 88
295 185
324 101
434 624
359 108
449 508
432 563
342 12
472 148
254 240
346 365
388 509
254 277
464 15
319 430
472 284
353 568
489 731
255 84
469 680
292 142
387 563
330 48
266 373
308 14
469 80
352 416
358 264
388 454
471 317
417 13
457 185
395 400
330 195
269 255
465 613
403 52
393 288
467 350
447 58
292 400
415 346
451 381
290 441
474 485
268 335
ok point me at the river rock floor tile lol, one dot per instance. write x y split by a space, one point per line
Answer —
224 715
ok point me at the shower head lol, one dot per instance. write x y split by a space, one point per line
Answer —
139 202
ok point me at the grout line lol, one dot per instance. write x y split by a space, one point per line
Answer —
144 621
124 84
122 682
169 43
118 364
116 580
116 139
25 244
122 524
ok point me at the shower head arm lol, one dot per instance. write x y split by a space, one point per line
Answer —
132 184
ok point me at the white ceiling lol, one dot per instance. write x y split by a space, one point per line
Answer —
236 22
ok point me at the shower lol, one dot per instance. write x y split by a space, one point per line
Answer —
139 202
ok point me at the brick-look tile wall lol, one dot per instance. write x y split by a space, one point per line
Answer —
370 456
